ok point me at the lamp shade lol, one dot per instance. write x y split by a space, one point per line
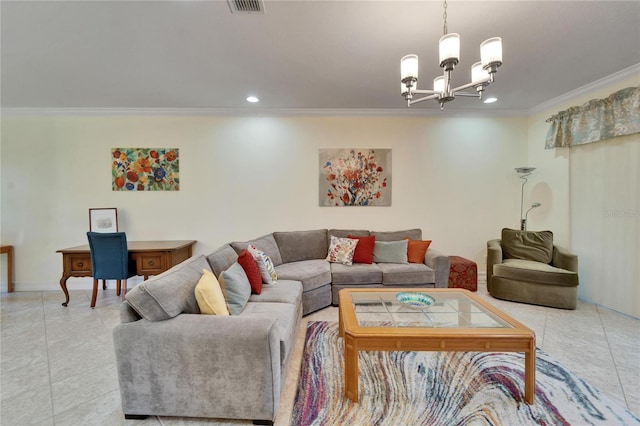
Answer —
409 67
449 48
438 84
478 73
491 51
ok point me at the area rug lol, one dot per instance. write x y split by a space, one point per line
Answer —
442 388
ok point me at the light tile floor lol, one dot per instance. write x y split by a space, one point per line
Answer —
57 365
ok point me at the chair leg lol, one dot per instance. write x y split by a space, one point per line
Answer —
118 288
94 295
124 289
104 284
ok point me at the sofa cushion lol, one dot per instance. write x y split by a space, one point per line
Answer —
408 273
358 273
222 258
265 265
286 321
527 245
171 293
209 295
302 245
416 250
535 272
390 251
341 250
266 243
248 263
364 249
412 234
311 273
287 291
237 288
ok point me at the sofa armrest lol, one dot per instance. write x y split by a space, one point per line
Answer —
494 257
440 264
127 313
200 366
563 258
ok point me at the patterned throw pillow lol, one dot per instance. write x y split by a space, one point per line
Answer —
267 270
341 250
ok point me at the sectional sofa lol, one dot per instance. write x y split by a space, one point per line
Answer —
173 361
300 256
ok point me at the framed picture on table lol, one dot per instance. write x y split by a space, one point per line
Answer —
103 220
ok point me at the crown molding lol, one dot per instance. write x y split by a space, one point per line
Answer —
259 112
625 74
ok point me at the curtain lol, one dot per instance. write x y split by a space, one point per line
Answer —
598 119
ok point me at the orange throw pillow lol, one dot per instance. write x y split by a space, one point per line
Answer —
364 249
416 250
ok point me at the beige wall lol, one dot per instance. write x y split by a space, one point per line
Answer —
242 177
245 176
577 196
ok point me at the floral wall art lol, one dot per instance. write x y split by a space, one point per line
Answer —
145 169
355 177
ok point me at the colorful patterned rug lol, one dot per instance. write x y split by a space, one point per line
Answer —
442 388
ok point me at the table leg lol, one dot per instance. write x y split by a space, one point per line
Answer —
10 270
530 374
63 285
350 368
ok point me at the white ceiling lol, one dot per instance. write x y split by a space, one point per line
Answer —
309 54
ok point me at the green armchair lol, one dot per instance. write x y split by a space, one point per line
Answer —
525 266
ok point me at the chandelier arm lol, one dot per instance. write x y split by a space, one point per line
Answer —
426 98
425 91
468 85
468 95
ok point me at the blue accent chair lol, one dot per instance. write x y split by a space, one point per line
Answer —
109 261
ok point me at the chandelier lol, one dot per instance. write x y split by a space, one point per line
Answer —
482 73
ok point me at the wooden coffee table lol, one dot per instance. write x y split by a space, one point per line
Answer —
458 320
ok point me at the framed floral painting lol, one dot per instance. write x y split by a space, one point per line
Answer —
355 177
145 169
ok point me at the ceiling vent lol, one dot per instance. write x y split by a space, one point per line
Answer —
246 6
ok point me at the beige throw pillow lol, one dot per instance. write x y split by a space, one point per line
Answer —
209 295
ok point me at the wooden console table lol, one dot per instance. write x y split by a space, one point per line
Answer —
9 251
150 257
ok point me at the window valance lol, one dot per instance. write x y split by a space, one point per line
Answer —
598 119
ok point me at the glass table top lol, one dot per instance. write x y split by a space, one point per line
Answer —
448 310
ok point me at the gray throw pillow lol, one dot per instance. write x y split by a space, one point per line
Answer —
390 252
527 245
236 288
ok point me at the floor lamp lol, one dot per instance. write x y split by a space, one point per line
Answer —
524 172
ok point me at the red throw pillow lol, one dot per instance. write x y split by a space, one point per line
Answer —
416 250
251 269
364 249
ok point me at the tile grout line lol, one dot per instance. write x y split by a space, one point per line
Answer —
46 341
613 359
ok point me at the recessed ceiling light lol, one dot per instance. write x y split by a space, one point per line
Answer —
490 100
252 99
